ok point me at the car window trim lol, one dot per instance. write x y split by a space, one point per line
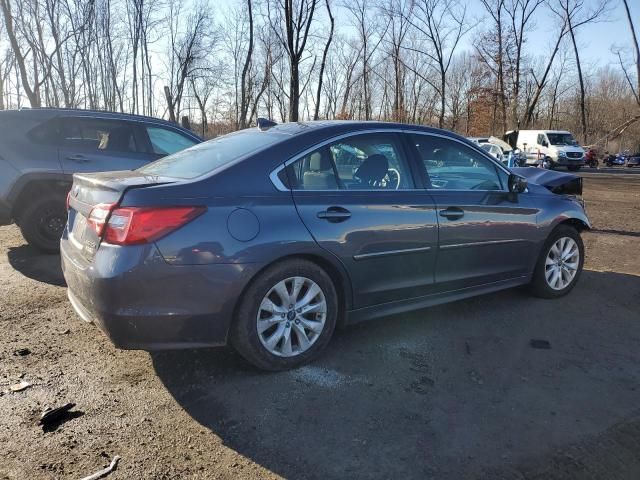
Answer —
474 147
273 176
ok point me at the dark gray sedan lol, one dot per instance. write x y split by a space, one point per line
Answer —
269 237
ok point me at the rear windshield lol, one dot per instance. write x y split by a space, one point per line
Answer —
208 156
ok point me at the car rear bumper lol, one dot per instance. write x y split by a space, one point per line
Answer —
141 302
5 213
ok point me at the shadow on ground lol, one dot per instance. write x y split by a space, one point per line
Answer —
454 391
36 265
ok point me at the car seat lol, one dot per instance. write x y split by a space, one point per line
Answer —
320 175
371 172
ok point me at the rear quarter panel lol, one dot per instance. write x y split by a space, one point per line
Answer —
20 155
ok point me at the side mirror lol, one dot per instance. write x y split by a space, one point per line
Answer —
517 184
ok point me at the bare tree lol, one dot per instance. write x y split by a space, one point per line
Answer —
189 45
442 23
541 83
574 14
291 22
244 101
323 63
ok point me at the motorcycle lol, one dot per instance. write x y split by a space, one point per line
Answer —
591 158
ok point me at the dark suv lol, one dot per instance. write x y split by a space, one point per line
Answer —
41 148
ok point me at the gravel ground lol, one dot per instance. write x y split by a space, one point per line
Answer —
454 391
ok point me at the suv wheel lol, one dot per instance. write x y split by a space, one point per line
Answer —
559 264
42 222
286 317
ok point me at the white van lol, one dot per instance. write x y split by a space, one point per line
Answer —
557 147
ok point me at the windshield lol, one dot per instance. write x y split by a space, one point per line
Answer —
561 139
209 156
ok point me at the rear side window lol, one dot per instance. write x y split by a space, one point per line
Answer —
165 142
46 132
368 161
99 134
209 156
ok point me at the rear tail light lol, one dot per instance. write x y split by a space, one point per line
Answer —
136 225
98 217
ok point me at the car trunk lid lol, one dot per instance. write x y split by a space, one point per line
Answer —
93 196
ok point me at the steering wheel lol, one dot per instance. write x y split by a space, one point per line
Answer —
391 179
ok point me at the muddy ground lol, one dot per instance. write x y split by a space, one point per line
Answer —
454 391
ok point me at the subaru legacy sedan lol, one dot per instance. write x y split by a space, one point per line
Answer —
270 237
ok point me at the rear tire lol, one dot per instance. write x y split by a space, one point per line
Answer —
264 322
42 222
559 264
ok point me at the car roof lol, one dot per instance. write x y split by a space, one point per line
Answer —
50 112
321 128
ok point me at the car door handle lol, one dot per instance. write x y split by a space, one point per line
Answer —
78 158
452 213
335 214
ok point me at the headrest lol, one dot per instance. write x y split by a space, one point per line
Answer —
319 162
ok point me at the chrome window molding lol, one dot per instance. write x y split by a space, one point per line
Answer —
273 176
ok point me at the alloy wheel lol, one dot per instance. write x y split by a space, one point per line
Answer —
561 264
291 316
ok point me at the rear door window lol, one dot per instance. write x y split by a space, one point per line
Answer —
367 161
100 135
165 142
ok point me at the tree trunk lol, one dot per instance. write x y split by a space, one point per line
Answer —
316 114
294 91
170 105
244 97
583 117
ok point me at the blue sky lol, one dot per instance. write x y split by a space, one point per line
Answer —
595 40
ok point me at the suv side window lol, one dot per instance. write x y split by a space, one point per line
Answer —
541 140
451 165
372 161
99 134
165 142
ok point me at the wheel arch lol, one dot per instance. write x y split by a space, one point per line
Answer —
36 184
579 224
332 267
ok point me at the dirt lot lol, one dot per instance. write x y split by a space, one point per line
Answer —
450 392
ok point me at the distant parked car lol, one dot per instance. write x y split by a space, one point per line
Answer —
268 237
494 150
633 160
40 149
611 160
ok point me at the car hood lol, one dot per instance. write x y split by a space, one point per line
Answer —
557 182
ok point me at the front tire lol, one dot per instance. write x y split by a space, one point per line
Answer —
286 316
559 264
42 222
